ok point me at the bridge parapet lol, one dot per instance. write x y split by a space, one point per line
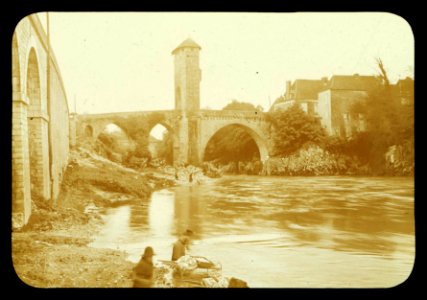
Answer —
231 114
167 113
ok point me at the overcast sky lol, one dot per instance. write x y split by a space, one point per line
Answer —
113 62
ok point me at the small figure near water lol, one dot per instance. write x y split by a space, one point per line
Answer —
181 245
143 271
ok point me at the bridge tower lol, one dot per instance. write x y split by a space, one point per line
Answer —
187 76
187 99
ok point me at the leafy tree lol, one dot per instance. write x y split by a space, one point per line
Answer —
388 123
293 128
237 105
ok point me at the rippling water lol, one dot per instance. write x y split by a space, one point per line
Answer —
280 232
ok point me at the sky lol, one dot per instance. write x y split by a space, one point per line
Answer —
114 62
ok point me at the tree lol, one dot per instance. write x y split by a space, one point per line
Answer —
388 123
237 105
293 128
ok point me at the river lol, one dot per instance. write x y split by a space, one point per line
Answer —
280 231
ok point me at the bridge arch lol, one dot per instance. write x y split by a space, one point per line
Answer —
16 69
164 146
254 132
40 127
37 129
104 128
21 190
165 124
88 131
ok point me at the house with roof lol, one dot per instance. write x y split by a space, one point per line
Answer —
335 102
303 92
331 100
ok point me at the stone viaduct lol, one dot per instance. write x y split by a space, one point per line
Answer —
191 132
191 127
40 120
43 130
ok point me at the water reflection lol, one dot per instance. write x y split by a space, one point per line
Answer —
189 210
138 216
289 227
161 212
114 233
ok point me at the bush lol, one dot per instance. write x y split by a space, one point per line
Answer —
312 160
293 128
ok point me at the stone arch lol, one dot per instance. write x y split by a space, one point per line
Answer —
37 130
33 81
16 71
102 127
113 141
256 135
163 123
21 194
170 129
88 132
99 128
16 90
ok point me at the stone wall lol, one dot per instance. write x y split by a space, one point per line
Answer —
40 130
334 108
60 131
187 79
191 132
342 122
324 110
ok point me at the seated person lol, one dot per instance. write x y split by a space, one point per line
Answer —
143 271
181 245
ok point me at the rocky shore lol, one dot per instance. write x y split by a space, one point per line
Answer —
52 249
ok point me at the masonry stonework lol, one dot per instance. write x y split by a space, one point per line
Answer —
202 126
191 127
40 128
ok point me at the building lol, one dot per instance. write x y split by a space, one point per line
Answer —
304 92
404 89
331 100
335 102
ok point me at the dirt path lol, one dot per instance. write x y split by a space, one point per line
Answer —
52 251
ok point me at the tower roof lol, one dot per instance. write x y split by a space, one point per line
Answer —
188 43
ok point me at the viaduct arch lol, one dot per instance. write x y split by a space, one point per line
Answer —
40 120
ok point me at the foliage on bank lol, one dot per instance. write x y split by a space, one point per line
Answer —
385 147
292 128
312 160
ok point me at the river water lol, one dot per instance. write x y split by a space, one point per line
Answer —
280 231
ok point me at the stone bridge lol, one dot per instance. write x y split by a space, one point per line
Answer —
43 129
191 131
192 128
40 120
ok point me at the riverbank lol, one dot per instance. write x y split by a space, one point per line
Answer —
51 250
312 160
